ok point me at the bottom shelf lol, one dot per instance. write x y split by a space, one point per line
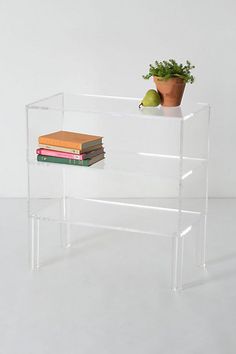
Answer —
143 216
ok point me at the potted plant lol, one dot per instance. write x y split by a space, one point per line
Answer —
170 79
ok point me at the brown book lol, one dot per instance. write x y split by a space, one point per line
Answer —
70 140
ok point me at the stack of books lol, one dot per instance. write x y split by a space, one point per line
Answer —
70 148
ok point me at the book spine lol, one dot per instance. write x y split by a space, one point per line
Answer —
55 153
44 158
60 148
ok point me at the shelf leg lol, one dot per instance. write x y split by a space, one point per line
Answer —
201 242
201 236
34 243
65 235
177 263
65 226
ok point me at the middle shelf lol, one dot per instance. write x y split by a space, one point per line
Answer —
140 163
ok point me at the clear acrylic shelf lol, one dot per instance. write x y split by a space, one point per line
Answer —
139 216
138 164
115 106
153 180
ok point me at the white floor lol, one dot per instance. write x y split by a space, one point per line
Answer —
109 294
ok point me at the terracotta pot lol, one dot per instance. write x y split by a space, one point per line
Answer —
171 90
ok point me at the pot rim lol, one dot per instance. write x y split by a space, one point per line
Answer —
174 78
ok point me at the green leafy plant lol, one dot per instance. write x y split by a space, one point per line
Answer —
167 69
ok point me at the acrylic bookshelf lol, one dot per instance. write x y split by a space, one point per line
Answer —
153 180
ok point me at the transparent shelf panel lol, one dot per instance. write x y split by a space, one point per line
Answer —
137 163
141 216
153 180
116 106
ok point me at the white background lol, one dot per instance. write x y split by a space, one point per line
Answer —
104 47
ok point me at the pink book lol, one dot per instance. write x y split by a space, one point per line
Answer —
68 155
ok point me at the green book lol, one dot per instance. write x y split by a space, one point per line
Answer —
86 162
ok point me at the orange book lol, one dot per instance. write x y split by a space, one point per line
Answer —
70 140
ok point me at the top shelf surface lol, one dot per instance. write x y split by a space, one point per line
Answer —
117 106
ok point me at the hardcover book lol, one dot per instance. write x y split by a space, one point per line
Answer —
71 151
68 155
70 140
87 162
